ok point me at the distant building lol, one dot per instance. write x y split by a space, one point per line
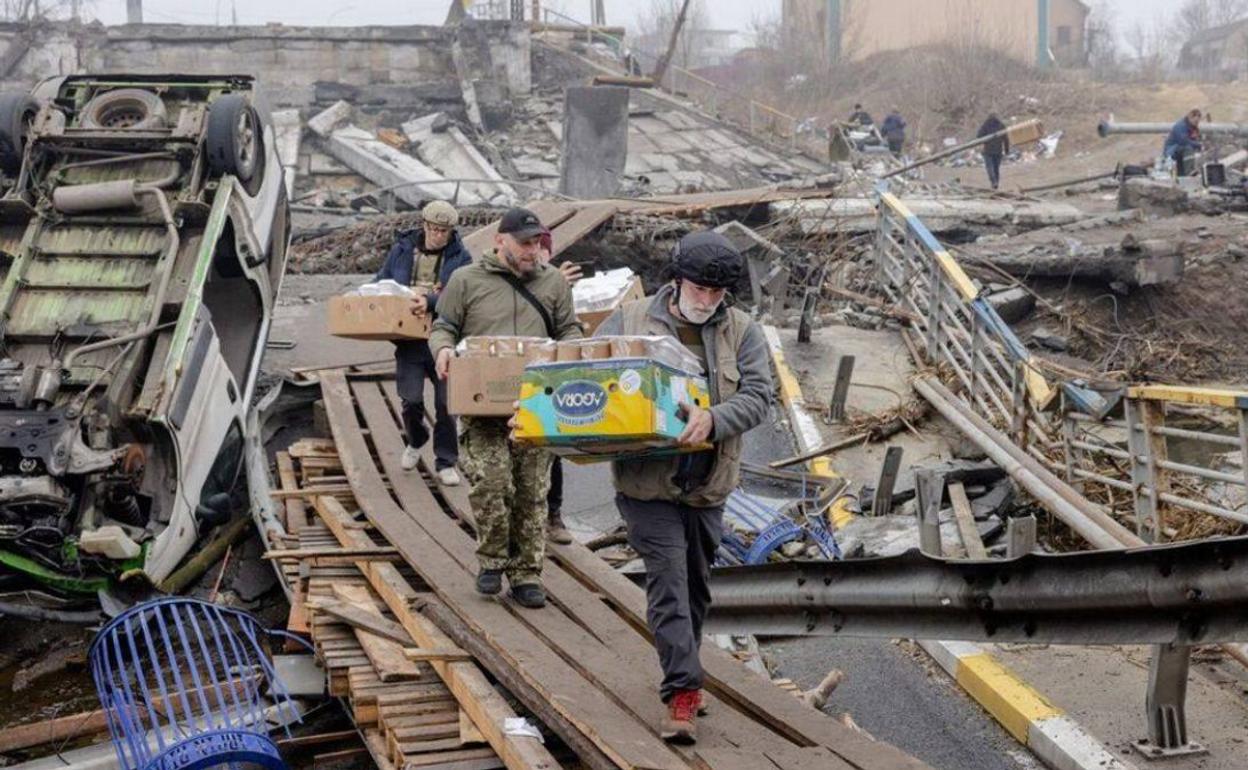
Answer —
697 47
855 29
1220 49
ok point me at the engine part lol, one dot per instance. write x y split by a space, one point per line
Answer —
49 385
28 499
17 384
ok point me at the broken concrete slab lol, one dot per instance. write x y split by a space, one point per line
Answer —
455 157
323 123
1013 305
534 167
287 133
1131 263
406 177
595 141
857 215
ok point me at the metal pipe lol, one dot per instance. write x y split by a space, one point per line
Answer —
1092 525
31 612
1204 473
955 150
1197 435
1108 127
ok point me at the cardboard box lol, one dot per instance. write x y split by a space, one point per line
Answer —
377 318
592 314
1025 132
606 409
484 376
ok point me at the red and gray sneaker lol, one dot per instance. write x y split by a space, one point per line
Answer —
681 710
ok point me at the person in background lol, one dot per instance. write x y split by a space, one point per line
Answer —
1183 142
995 149
894 132
427 257
861 117
556 531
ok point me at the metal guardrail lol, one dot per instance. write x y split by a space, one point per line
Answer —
1138 454
1189 593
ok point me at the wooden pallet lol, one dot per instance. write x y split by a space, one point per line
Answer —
409 716
586 659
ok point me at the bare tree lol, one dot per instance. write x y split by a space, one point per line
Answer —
40 10
658 21
1196 16
1153 48
1102 38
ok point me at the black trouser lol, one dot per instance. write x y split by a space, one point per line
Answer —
677 543
895 146
992 162
554 498
1183 160
417 367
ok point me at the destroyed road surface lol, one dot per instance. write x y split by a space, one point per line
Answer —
969 374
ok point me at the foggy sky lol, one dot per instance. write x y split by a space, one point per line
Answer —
727 14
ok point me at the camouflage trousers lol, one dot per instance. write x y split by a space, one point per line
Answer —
507 488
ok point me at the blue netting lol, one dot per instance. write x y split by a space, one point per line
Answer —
182 682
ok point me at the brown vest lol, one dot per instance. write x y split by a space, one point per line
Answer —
652 479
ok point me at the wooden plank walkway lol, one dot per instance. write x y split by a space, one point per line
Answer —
584 661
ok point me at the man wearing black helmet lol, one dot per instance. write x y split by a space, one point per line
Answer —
673 507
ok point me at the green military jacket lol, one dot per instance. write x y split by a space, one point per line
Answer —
478 301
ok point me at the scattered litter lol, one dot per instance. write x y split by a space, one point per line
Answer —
521 727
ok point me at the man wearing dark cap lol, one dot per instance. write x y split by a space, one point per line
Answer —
673 507
507 292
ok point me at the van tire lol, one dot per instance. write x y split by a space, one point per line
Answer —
17 110
235 141
133 109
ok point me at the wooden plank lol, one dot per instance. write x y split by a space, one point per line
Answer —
365 621
551 214
386 654
468 732
296 512
361 554
472 690
596 715
965 518
581 223
444 759
806 758
422 654
733 683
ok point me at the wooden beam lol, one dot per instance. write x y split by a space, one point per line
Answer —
385 654
448 653
296 511
965 518
374 553
359 619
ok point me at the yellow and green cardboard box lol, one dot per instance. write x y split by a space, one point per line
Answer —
607 409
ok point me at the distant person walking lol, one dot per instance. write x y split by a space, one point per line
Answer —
894 131
1183 142
861 117
994 149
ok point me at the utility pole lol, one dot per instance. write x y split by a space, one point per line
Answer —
598 13
660 69
134 11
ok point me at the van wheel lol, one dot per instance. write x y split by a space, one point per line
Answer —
235 141
132 108
17 110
